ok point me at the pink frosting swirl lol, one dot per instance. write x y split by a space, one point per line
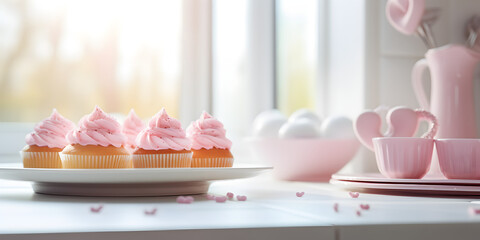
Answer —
51 132
98 128
163 132
207 132
131 127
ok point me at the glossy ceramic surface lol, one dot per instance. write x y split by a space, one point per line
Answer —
121 176
411 188
311 159
459 158
405 15
379 178
125 182
401 122
452 100
403 157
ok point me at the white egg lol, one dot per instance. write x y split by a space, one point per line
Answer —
305 113
338 127
267 123
268 114
300 128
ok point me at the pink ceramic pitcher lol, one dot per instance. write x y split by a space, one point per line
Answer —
452 100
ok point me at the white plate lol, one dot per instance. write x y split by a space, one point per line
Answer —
411 188
125 182
379 178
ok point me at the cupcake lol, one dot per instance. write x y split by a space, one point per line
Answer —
131 127
210 147
162 144
47 140
97 142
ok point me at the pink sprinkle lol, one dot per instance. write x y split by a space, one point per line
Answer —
151 212
473 211
220 199
364 206
354 194
359 213
335 207
230 195
185 200
210 197
241 198
300 194
96 209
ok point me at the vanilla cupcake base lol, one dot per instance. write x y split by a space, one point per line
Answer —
130 163
212 162
41 159
130 149
165 160
94 161
212 158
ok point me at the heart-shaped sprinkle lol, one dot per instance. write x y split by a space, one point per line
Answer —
300 194
230 195
96 209
185 200
241 198
210 197
151 212
473 211
354 194
220 199
335 207
359 214
364 206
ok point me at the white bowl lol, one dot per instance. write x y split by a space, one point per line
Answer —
307 159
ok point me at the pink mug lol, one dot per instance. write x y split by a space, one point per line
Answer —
459 158
403 157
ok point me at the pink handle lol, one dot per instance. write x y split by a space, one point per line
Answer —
417 74
401 121
427 116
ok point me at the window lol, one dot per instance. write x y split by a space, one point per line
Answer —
265 56
230 88
297 51
72 55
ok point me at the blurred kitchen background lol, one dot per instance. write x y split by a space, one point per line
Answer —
234 58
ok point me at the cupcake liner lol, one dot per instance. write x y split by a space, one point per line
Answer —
168 160
212 162
41 159
94 161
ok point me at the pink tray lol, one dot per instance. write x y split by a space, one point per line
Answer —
411 188
379 178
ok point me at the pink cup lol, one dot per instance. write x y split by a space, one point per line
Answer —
459 158
403 157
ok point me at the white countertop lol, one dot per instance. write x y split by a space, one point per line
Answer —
271 211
